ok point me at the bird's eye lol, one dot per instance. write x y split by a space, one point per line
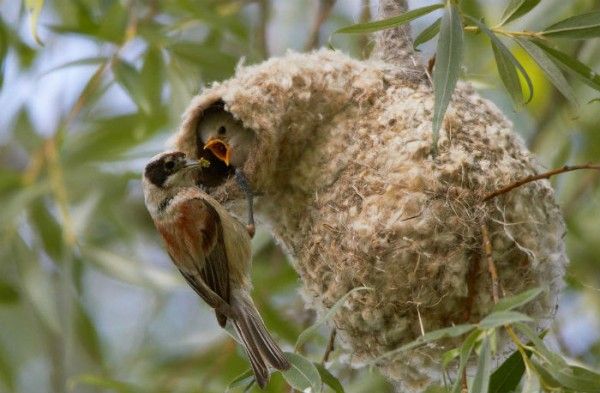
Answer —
222 130
169 165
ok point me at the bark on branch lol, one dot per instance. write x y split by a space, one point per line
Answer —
394 45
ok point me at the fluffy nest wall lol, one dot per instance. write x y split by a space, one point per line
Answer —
350 189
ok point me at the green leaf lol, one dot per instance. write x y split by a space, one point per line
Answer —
303 374
130 80
506 378
508 67
101 382
551 70
481 381
88 335
8 293
511 302
48 229
571 64
449 356
501 318
539 346
329 379
370 27
34 7
454 331
465 353
130 271
579 27
314 328
428 33
516 9
7 371
152 76
447 68
566 378
241 380
530 385
87 61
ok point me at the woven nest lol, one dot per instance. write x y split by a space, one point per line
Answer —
350 189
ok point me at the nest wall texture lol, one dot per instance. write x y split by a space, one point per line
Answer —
349 188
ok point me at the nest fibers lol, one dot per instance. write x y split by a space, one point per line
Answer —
342 161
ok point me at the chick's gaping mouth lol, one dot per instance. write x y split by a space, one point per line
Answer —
220 149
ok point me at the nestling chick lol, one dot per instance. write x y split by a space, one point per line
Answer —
212 251
227 140
225 136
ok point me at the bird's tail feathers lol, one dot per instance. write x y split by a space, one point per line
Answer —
261 372
259 344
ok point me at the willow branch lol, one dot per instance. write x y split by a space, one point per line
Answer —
395 45
545 175
325 7
330 346
487 248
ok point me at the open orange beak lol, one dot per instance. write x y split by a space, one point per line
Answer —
220 149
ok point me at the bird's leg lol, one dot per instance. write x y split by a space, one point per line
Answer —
243 183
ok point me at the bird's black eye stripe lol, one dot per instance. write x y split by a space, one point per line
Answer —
222 130
170 165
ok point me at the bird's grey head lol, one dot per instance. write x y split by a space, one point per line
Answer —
167 169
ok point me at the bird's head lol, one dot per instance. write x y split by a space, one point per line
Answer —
223 141
171 169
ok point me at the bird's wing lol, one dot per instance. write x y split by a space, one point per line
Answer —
201 235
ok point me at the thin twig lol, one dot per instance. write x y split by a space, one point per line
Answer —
325 7
330 346
262 42
364 40
464 387
545 175
487 248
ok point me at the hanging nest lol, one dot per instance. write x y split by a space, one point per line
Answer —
349 187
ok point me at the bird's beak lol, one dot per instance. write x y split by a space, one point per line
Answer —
201 163
221 149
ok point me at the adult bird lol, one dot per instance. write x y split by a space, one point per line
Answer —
212 251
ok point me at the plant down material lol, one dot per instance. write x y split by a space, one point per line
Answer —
349 187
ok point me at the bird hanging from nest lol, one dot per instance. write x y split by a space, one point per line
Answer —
212 251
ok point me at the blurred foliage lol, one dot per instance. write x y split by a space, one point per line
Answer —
89 302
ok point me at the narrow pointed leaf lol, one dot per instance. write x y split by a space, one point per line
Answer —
501 318
571 64
241 380
130 80
481 382
509 303
516 9
34 7
329 379
508 67
506 378
578 27
370 27
465 354
8 293
303 374
454 331
551 70
447 67
428 34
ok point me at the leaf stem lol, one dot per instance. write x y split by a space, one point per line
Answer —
498 30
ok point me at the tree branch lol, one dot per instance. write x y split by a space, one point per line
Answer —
325 7
545 175
487 248
395 45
